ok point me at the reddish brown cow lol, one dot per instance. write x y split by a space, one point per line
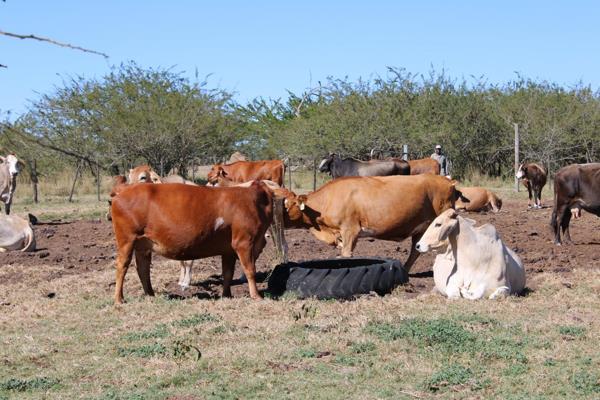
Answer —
244 171
534 178
184 222
424 166
389 208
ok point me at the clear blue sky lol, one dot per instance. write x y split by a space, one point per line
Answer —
262 48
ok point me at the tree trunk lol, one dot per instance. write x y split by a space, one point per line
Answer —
98 180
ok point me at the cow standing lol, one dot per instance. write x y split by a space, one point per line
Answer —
9 169
385 207
353 167
476 262
424 166
184 222
576 187
244 171
534 178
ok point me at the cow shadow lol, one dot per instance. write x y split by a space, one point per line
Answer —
424 274
210 288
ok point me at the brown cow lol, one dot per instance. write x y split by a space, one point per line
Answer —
184 222
534 178
576 187
389 208
244 171
479 199
424 166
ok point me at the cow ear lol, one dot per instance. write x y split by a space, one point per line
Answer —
453 182
2 159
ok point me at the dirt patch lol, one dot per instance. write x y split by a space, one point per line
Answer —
83 246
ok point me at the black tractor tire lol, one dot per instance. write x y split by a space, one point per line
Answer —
340 278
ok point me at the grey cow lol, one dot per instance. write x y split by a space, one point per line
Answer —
10 167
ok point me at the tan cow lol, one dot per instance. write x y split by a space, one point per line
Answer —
244 171
479 199
424 166
386 207
15 234
476 263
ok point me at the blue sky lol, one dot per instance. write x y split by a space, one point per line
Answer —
263 48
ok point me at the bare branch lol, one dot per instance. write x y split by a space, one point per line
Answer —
43 39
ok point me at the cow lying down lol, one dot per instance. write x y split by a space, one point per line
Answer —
476 262
15 234
479 199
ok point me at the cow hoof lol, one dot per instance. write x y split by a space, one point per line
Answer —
183 286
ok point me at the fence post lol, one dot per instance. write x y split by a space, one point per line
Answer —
405 152
34 180
290 174
278 231
516 156
98 180
314 174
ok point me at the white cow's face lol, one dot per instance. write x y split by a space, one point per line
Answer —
438 232
520 172
14 166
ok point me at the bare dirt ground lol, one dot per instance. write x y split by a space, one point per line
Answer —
81 247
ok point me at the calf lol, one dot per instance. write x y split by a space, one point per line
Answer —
576 187
383 207
353 167
479 199
15 234
184 222
9 169
534 178
476 262
244 171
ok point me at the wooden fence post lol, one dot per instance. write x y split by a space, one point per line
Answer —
314 174
98 180
74 181
34 180
278 232
516 156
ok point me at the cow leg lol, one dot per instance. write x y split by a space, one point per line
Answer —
530 195
185 275
247 261
414 254
557 218
564 225
502 291
143 258
228 266
124 254
539 197
349 238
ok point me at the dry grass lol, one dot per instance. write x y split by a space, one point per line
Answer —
77 345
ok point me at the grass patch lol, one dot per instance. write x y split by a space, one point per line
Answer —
449 376
144 351
194 320
159 332
23 385
571 331
586 382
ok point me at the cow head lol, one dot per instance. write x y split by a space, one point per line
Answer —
143 174
325 165
522 171
438 231
12 162
215 172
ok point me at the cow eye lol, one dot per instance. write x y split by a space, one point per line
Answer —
437 225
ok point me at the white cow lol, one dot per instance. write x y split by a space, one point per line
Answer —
9 169
15 234
476 262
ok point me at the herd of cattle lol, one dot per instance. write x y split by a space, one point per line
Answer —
385 199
